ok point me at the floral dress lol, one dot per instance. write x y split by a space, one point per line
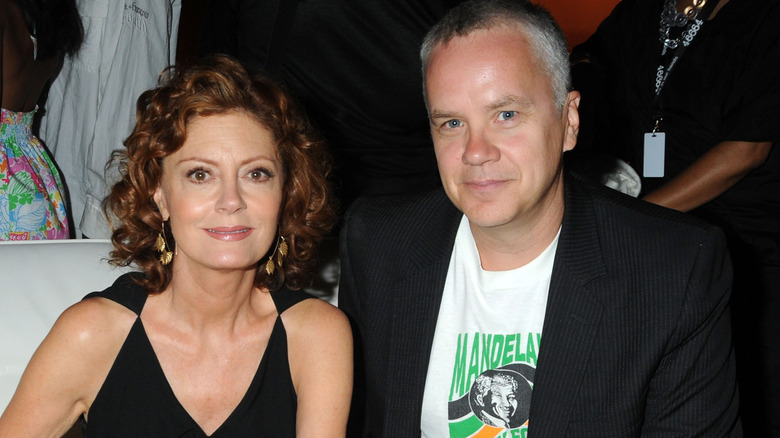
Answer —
32 203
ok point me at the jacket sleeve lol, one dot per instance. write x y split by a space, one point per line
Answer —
348 302
694 390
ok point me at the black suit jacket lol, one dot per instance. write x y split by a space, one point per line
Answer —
636 338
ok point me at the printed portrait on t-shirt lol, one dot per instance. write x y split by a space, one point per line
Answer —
491 392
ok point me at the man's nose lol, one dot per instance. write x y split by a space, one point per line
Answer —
479 149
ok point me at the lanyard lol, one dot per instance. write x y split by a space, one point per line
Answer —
664 69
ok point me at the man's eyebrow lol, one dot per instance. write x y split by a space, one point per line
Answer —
437 114
521 103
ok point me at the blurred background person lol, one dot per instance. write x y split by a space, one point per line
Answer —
222 202
354 66
90 104
687 92
36 37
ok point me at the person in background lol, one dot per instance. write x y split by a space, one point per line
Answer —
222 202
610 313
353 64
35 37
687 93
90 103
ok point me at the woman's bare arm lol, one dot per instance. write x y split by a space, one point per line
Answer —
320 350
66 371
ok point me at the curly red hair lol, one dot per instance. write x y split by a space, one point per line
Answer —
219 85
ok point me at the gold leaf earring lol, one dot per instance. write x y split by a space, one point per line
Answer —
161 244
280 251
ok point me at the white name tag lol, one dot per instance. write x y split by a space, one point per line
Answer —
655 148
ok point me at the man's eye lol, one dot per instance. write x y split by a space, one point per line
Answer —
506 115
453 123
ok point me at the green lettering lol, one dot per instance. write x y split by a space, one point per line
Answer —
509 348
519 355
459 373
496 351
474 361
530 349
485 363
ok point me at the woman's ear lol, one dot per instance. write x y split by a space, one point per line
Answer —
159 199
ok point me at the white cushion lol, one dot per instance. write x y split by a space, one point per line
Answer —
38 280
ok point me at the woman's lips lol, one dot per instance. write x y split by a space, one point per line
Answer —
229 233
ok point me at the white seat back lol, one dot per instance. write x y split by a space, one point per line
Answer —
38 280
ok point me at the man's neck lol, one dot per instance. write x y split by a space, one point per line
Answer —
512 246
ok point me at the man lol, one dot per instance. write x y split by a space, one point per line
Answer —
613 311
494 399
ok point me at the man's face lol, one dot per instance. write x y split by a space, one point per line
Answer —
498 135
503 401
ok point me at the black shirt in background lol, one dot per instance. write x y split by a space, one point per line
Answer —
724 87
355 66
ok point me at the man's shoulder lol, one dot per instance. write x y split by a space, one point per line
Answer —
623 214
400 210
394 224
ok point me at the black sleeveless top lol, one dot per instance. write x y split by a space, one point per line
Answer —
137 401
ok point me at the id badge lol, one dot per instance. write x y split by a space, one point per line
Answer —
655 149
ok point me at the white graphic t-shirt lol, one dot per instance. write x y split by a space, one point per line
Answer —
481 373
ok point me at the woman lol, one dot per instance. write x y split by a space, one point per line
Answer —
222 202
36 35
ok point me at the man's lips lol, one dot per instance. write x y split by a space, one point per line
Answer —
483 184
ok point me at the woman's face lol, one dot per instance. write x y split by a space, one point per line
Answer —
222 191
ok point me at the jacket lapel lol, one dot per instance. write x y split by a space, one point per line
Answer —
572 317
415 307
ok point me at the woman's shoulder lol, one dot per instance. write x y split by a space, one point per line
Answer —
88 336
317 330
95 320
320 353
83 343
314 317
98 321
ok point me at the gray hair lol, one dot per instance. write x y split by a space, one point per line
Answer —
547 41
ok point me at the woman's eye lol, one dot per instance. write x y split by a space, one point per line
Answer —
506 115
199 175
260 174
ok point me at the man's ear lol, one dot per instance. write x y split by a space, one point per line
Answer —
159 199
571 120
